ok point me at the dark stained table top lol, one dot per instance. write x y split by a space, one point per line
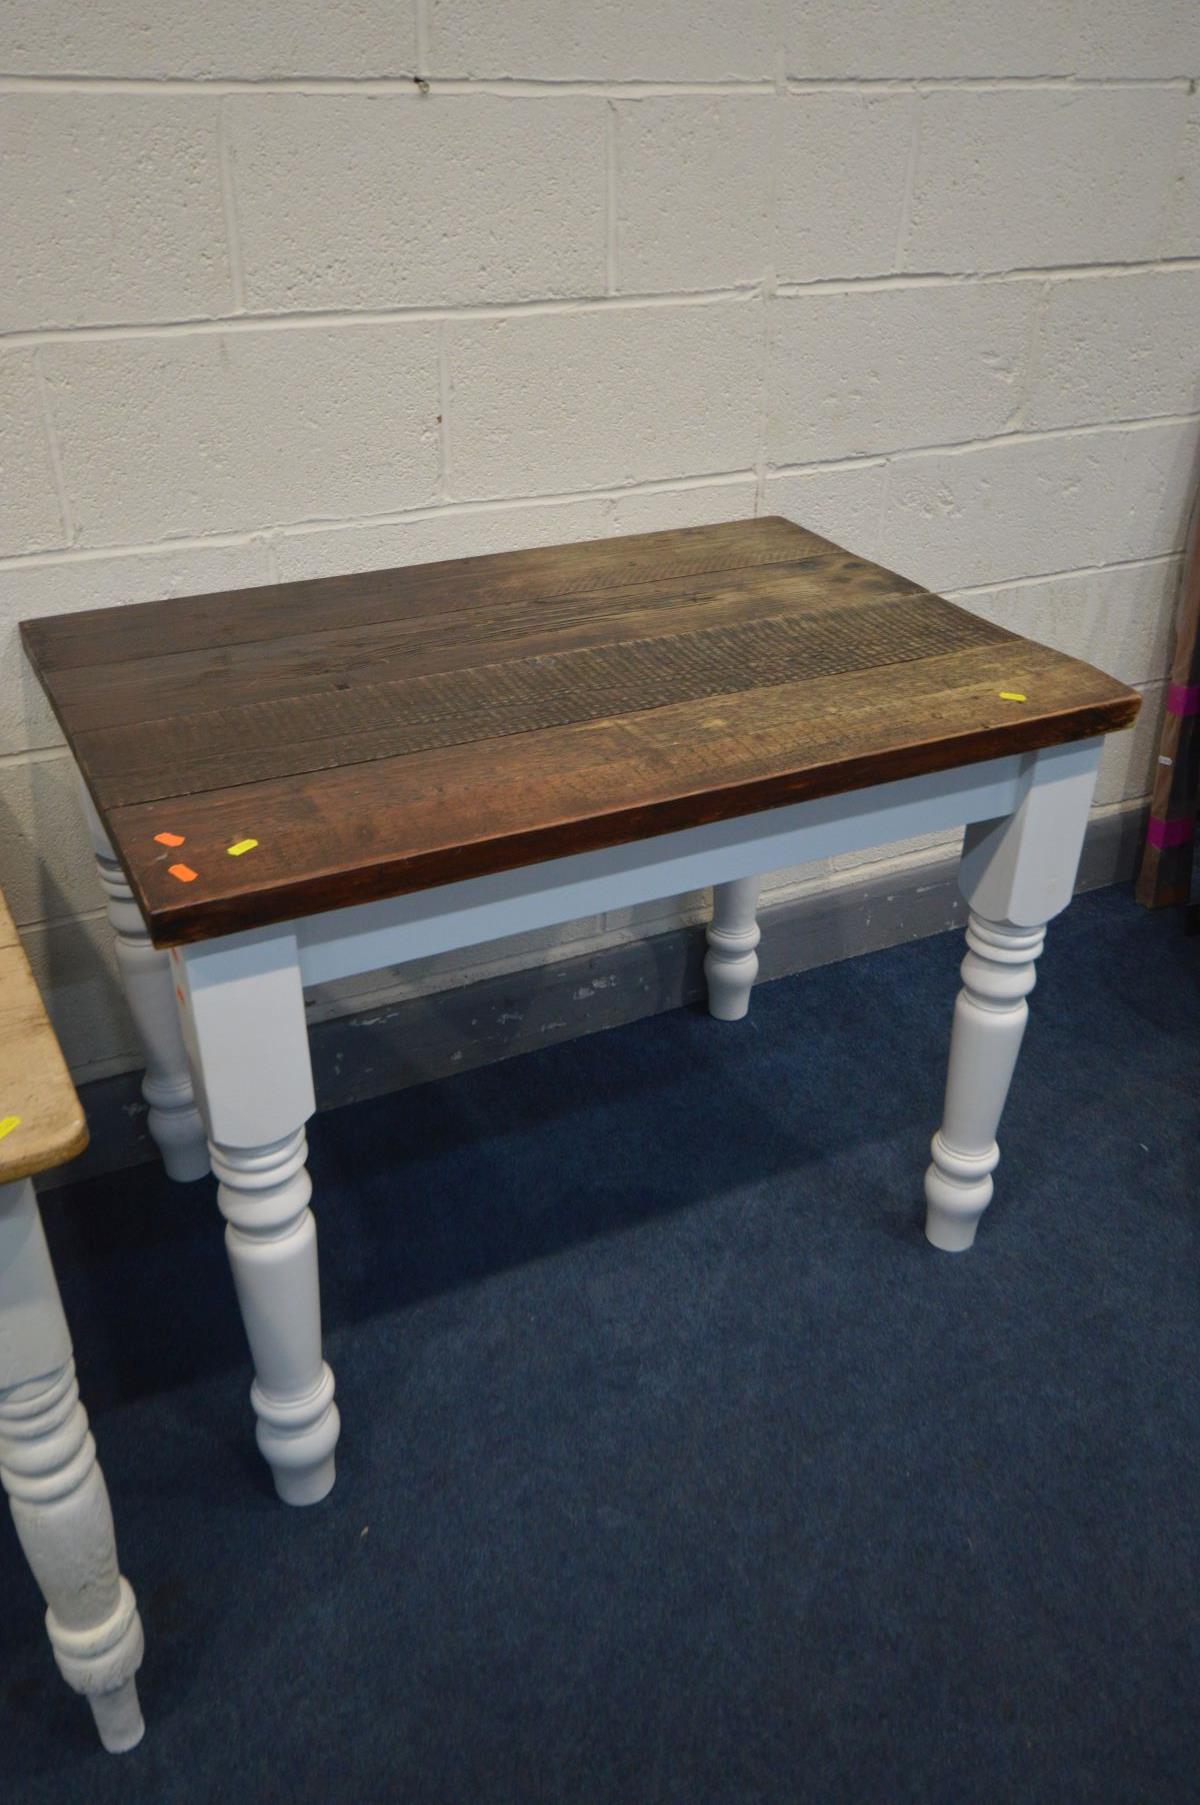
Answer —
388 732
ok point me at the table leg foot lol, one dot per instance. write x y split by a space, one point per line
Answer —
118 1718
731 963
297 1437
176 1130
271 1236
308 1485
64 1522
957 1191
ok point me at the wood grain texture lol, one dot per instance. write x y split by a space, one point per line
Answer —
403 729
34 1082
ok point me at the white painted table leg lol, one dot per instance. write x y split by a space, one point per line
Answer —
1016 874
989 1024
174 1120
731 962
55 1487
271 1238
243 1021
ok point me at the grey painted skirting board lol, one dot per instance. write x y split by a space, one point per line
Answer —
385 1049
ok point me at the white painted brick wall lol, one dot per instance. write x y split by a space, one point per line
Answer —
863 371
32 587
885 39
139 180
545 402
840 182
221 38
1018 179
923 274
1117 350
212 432
694 210
30 510
605 40
1030 505
1183 206
1118 618
334 199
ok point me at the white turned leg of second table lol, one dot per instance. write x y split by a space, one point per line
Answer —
731 962
1016 874
242 1008
55 1487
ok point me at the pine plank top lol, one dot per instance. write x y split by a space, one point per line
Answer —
392 731
35 1086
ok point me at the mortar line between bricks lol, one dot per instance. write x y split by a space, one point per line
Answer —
444 386
667 485
1027 436
910 182
457 510
35 755
69 556
982 84
47 923
233 238
535 87
612 192
1179 167
885 495
53 448
340 318
54 555
1063 272
65 555
1035 338
402 86
768 291
1081 570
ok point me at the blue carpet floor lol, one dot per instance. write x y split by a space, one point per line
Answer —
675 1466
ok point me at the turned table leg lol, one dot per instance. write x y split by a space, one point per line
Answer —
1016 874
731 962
174 1121
241 1006
54 1484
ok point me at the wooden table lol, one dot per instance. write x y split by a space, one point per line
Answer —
293 784
47 1455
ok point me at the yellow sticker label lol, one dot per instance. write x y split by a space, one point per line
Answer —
8 1124
239 847
1012 695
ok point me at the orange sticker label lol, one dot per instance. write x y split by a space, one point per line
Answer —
168 839
184 873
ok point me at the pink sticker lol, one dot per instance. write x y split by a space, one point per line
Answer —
1170 833
1183 698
